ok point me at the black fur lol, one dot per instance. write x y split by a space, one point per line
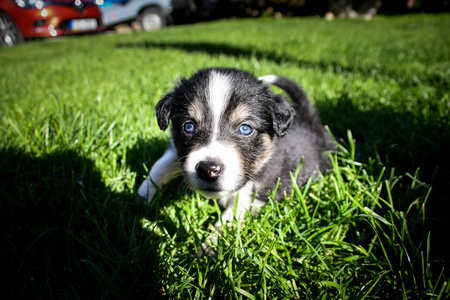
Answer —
306 141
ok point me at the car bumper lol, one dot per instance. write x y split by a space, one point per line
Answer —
56 20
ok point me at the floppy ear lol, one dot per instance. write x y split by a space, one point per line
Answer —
163 109
282 116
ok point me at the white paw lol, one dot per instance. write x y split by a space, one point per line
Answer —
227 216
147 191
205 249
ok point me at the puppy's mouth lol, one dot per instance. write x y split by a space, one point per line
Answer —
207 179
210 191
213 190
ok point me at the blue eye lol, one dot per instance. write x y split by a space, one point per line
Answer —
245 130
189 128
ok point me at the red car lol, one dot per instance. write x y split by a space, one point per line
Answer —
23 19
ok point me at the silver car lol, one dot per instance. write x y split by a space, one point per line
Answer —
149 14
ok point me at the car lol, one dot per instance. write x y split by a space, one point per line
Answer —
148 14
152 14
26 19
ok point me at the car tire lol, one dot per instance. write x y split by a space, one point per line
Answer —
152 18
10 34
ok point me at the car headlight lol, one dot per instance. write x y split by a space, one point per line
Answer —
31 3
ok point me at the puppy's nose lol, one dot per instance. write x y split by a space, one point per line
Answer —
208 170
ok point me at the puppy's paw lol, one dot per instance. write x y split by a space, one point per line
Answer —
147 191
205 249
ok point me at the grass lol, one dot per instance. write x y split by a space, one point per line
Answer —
78 133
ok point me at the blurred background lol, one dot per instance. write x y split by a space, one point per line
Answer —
21 20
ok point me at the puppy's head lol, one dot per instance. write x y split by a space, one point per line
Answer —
224 122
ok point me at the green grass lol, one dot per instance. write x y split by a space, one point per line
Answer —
78 134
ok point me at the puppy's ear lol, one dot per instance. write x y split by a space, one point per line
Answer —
282 116
163 111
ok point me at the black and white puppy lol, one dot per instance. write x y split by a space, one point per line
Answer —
231 135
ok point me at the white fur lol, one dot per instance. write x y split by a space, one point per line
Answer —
164 169
269 78
245 202
219 90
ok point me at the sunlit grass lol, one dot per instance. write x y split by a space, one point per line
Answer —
79 134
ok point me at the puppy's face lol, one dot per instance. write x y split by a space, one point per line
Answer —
224 122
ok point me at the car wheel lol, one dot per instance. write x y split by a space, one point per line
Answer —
9 32
152 18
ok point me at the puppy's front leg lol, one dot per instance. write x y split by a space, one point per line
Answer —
164 169
237 204
245 203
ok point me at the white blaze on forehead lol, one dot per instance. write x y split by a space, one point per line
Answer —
219 92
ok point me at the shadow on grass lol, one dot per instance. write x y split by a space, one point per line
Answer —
144 152
283 57
65 234
407 143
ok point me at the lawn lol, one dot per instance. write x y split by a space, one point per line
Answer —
78 135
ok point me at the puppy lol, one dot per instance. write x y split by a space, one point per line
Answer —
232 136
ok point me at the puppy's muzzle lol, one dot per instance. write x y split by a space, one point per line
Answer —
208 171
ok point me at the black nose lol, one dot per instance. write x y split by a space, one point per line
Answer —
208 170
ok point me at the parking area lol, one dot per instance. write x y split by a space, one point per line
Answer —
21 20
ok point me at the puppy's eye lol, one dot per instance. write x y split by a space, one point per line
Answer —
189 128
245 129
